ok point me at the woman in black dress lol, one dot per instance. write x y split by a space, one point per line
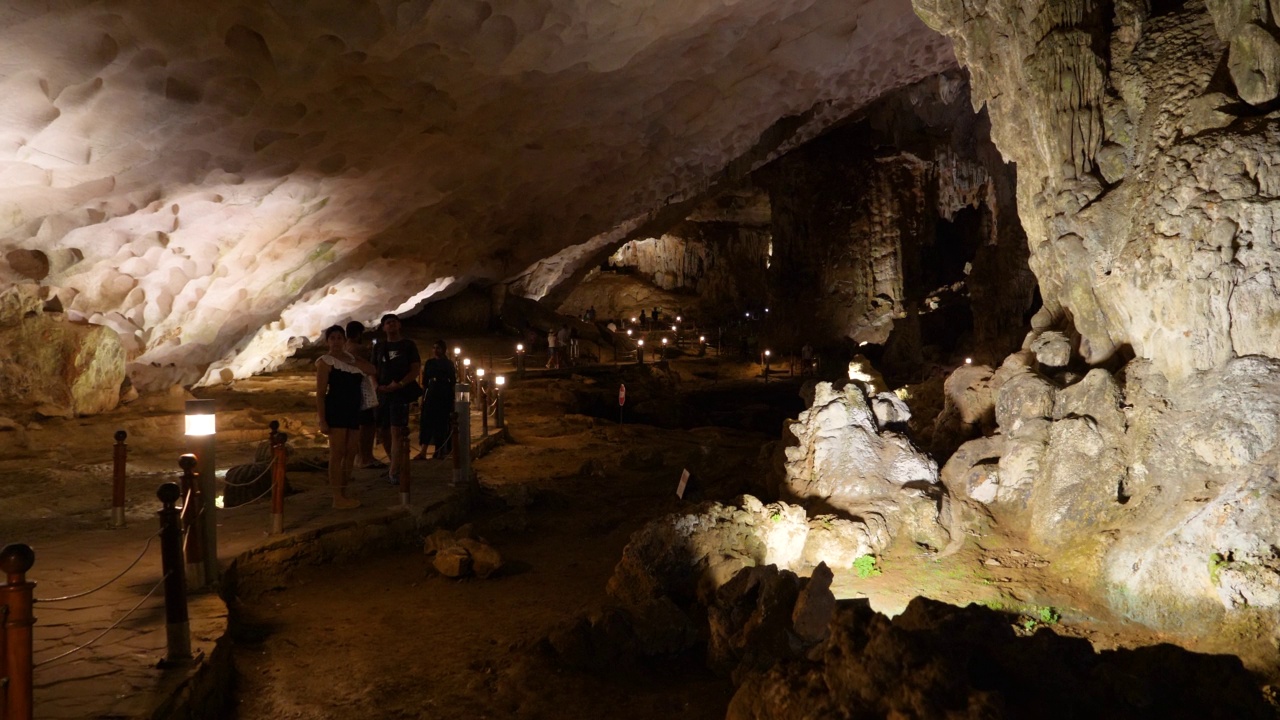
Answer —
438 380
339 379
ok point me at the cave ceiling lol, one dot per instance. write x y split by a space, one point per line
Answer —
211 179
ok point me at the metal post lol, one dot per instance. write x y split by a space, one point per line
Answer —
520 364
453 446
406 467
18 640
278 460
192 516
499 421
117 480
484 407
177 628
463 408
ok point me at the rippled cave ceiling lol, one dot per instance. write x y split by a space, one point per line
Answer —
211 179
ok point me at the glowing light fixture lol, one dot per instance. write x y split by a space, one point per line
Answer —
479 372
200 418
500 380
466 362
968 361
519 347
640 342
456 352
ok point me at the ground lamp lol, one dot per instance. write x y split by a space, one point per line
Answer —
766 365
200 425
519 359
640 351
483 392
664 349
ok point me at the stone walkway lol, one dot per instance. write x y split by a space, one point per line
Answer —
119 675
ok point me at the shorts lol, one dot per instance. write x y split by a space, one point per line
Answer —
393 411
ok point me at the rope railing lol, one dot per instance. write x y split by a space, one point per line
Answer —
136 560
248 502
103 634
267 469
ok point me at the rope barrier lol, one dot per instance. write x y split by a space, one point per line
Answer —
114 625
261 475
250 502
117 577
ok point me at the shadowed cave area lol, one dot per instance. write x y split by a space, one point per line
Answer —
916 359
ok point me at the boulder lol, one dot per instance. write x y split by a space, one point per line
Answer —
454 562
844 461
485 560
1052 349
65 368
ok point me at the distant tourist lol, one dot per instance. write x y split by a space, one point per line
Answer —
553 354
438 380
398 365
339 380
358 344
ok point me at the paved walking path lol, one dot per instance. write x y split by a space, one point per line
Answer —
119 675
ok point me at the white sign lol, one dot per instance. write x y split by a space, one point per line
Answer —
684 482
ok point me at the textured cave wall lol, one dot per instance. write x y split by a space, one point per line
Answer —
900 229
1146 145
712 265
214 179
1145 174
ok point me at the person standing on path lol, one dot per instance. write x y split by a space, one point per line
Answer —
438 380
398 363
358 344
339 376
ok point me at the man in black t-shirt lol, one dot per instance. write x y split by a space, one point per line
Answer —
398 365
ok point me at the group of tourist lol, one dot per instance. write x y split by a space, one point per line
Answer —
365 388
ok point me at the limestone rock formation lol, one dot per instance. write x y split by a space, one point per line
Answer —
936 661
687 558
1163 496
1145 231
844 461
51 364
1145 185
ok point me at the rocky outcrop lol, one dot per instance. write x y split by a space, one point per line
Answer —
1164 496
689 557
940 661
1145 190
54 366
1146 184
890 229
845 462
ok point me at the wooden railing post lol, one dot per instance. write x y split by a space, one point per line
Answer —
177 626
484 407
16 606
191 521
117 479
278 461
